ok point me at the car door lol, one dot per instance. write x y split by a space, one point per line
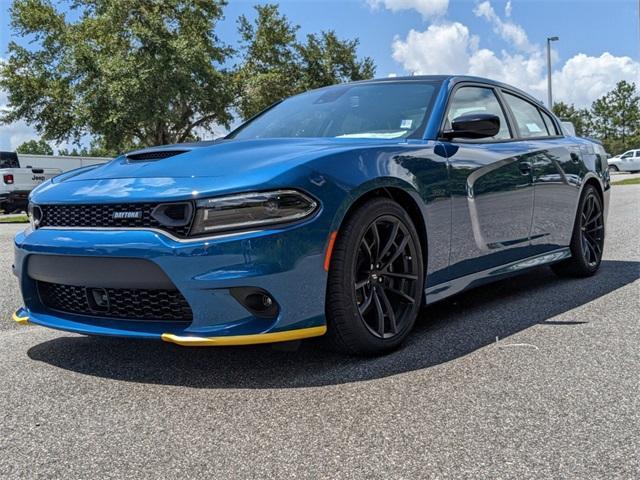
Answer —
634 161
626 160
491 187
556 168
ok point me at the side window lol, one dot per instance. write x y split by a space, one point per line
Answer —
527 117
627 154
9 160
548 121
467 100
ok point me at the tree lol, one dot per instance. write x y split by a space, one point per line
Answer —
35 147
579 117
269 70
129 72
95 149
326 60
616 117
274 64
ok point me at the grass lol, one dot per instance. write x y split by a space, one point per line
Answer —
15 219
627 181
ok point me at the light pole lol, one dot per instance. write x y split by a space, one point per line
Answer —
550 96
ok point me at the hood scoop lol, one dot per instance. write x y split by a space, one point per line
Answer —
152 155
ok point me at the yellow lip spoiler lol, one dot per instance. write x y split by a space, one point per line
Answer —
22 320
233 340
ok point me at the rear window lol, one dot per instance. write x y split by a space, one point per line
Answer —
527 115
9 160
551 126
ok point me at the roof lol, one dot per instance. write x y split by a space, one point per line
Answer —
453 79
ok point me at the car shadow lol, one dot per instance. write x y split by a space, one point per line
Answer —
446 331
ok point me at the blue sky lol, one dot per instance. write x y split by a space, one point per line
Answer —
599 40
585 26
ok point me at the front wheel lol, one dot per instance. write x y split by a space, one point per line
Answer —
376 278
587 240
613 168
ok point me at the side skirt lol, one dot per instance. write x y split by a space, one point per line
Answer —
444 290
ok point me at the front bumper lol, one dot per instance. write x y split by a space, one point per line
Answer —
287 263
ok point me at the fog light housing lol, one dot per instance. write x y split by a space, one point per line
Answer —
257 301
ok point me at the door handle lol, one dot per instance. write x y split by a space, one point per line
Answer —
525 168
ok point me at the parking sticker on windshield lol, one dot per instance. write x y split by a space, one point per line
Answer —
406 124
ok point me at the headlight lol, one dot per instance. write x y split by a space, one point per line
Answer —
35 215
249 210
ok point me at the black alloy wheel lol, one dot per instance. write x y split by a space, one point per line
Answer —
592 229
385 277
376 278
587 241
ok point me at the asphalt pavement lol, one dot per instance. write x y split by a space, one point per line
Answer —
533 377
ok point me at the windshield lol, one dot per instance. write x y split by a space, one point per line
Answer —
383 110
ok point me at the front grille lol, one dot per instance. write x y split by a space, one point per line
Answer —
130 304
102 216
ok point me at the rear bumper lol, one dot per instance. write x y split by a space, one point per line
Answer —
17 197
286 263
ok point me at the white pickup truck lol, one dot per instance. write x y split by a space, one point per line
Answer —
19 174
16 182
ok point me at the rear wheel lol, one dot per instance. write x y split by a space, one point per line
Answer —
587 241
375 285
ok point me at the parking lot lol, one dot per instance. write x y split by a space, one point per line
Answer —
527 378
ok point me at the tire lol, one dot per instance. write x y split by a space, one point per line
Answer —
9 208
613 168
587 240
371 311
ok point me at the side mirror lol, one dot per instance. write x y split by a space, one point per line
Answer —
477 125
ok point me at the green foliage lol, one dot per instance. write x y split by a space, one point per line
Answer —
327 60
616 118
613 118
15 219
627 181
134 73
275 65
579 117
35 147
96 148
131 72
268 69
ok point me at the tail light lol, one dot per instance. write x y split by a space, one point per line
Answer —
8 178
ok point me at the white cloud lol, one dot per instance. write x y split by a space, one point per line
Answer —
509 31
426 8
451 48
508 9
440 49
584 78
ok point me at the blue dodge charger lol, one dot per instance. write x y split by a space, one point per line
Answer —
340 211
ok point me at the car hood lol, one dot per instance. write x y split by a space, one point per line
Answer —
200 169
209 159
